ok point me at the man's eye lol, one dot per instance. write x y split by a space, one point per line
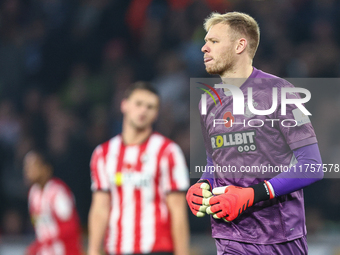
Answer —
214 41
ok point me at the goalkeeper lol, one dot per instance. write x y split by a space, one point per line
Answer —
252 214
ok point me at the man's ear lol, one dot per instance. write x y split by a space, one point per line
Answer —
241 46
123 106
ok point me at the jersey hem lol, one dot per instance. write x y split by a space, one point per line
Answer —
176 191
254 241
302 143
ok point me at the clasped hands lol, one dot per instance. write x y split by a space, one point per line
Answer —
226 202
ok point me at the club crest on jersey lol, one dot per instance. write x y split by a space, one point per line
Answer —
128 167
244 141
229 118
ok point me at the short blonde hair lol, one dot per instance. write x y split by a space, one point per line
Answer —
241 24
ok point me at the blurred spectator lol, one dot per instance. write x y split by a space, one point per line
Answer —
12 223
9 124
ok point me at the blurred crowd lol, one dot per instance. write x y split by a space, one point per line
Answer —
64 65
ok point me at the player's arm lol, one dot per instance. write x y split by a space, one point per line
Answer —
100 206
208 175
231 201
175 182
98 221
179 222
34 247
300 175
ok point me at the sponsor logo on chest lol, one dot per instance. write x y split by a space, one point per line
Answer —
133 179
244 141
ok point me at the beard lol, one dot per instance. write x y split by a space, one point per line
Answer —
222 65
139 126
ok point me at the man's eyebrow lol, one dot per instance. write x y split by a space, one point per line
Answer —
210 39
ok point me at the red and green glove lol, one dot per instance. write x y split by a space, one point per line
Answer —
197 196
230 201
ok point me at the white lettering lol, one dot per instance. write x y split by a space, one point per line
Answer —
297 101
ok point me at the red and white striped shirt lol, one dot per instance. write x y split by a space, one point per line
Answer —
139 177
55 220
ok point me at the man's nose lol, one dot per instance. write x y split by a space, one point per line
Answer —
205 48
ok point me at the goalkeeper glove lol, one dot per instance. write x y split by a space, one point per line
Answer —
196 196
231 201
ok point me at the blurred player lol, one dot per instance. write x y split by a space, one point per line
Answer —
138 179
52 210
252 214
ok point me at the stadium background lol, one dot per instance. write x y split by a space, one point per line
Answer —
65 63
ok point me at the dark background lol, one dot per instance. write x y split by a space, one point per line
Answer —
64 65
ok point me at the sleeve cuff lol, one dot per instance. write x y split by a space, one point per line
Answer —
206 181
302 143
100 190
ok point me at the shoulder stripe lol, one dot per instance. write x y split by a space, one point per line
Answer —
171 170
138 206
157 202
